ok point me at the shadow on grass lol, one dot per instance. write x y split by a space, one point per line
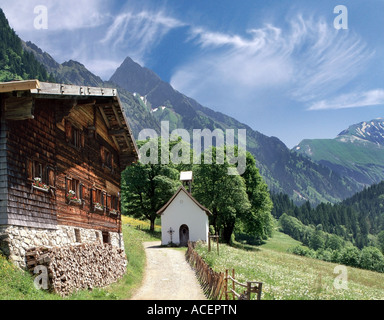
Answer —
154 234
245 246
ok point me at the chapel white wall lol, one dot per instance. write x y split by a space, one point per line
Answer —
184 211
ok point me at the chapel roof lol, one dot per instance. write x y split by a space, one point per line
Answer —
182 189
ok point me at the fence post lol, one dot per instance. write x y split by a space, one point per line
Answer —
217 242
233 283
259 292
209 242
226 285
249 288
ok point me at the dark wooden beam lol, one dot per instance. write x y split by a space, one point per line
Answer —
117 132
19 108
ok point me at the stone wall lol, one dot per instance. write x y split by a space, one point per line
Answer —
15 241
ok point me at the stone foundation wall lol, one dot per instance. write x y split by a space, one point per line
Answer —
69 268
15 241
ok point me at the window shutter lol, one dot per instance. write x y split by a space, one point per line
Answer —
116 205
45 174
51 177
81 191
93 196
82 138
68 131
109 202
102 199
30 169
102 153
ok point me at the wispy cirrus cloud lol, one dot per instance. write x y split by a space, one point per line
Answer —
325 60
306 62
139 32
352 100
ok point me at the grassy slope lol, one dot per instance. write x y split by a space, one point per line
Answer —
289 277
332 150
361 157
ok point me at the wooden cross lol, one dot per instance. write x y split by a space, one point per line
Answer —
171 232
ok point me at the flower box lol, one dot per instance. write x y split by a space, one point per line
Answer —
98 207
41 189
72 199
38 185
114 212
77 202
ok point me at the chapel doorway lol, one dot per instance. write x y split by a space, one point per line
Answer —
184 235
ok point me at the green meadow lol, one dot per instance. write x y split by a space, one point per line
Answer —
286 276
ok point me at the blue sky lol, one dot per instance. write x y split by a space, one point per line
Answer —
279 66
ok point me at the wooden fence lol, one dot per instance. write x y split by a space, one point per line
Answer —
211 281
250 287
215 284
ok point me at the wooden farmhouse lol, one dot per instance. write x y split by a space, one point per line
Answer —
62 151
183 219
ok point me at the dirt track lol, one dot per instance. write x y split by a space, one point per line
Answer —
168 276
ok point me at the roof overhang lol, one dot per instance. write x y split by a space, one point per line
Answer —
19 100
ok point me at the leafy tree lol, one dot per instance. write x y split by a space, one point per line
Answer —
350 256
317 240
380 239
334 242
259 221
224 195
291 226
146 188
372 259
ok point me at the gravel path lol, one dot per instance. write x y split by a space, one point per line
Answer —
168 276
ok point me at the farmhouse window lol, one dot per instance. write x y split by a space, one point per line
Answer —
106 237
74 191
106 158
113 205
78 235
41 175
98 200
74 135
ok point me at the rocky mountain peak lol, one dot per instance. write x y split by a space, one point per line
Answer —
372 131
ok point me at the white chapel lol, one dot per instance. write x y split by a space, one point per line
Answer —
183 218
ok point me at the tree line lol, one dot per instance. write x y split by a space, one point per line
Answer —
330 247
354 219
15 62
350 232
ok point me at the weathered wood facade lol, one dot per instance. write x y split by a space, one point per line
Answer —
62 151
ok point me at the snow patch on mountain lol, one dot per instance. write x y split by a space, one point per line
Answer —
371 131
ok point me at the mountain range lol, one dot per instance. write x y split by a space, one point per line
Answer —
148 100
357 152
284 170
